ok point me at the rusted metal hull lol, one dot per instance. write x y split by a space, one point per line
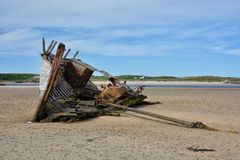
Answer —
77 75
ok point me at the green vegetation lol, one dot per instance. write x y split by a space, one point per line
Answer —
25 77
18 77
171 78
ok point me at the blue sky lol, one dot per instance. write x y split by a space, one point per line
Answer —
157 37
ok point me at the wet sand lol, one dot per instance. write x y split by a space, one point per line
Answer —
130 136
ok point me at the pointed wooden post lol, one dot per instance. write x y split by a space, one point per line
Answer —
50 46
65 56
54 44
75 55
43 45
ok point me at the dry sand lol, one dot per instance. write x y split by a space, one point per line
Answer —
128 136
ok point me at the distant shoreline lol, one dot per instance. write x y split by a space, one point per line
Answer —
34 78
147 84
136 82
167 83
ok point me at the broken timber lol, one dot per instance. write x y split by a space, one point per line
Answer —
170 119
67 94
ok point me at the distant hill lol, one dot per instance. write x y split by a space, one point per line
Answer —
26 77
19 77
171 78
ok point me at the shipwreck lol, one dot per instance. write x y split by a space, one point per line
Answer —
67 93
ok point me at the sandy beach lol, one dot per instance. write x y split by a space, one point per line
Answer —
130 136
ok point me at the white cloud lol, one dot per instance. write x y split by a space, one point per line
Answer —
62 13
114 27
19 42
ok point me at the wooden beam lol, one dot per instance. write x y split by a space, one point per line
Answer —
65 56
75 55
43 45
55 71
170 119
50 46
54 44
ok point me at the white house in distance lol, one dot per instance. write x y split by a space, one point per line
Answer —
140 78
